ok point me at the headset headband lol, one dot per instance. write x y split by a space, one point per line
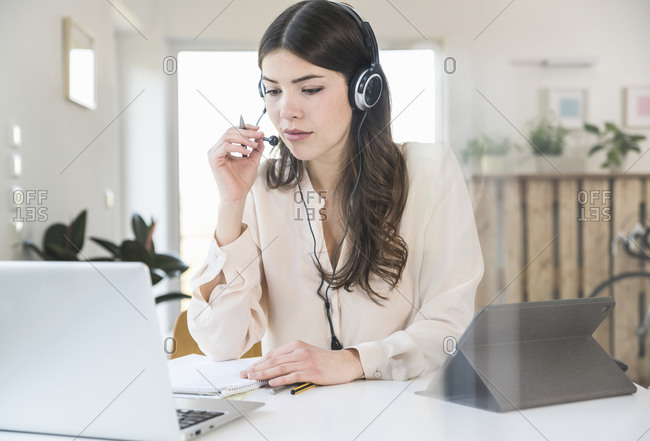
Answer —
366 29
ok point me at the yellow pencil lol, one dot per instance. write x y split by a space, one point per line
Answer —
303 387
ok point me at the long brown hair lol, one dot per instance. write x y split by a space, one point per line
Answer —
327 36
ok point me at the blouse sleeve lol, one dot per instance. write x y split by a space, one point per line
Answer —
233 319
451 269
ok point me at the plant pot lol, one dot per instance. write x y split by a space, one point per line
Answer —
570 163
547 164
493 164
616 169
475 166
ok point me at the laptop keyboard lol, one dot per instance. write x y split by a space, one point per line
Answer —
187 418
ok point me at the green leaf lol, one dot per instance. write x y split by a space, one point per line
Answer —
171 265
175 295
594 149
61 253
592 129
108 246
56 235
613 158
155 278
133 251
611 127
149 241
140 228
77 230
637 138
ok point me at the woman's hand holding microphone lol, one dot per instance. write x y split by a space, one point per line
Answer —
235 176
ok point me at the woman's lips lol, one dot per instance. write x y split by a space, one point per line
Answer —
296 136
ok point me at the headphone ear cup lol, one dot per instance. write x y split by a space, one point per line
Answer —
365 89
355 101
261 88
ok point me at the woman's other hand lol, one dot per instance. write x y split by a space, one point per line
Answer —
299 362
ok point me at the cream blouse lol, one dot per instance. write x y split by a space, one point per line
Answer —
271 282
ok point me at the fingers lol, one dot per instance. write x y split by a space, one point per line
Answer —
279 365
294 377
278 371
282 350
240 136
279 361
234 141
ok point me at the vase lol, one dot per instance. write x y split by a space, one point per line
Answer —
546 164
493 165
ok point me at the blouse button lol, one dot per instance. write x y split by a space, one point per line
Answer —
377 374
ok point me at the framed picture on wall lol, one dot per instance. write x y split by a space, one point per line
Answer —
79 65
568 106
637 107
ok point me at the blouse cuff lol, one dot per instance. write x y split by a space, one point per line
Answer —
373 360
231 259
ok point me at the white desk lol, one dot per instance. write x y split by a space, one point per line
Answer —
386 410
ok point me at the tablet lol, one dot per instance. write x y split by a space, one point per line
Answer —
522 355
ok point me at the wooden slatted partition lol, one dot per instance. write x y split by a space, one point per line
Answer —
546 237
540 272
596 242
626 197
568 269
486 214
513 227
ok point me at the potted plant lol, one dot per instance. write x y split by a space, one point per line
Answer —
487 155
548 141
615 143
61 242
64 242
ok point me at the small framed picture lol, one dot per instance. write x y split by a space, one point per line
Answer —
79 65
568 106
637 107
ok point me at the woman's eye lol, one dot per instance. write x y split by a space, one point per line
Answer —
275 92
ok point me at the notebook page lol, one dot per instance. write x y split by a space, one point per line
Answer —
197 374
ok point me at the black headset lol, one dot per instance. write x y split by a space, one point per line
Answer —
365 89
367 84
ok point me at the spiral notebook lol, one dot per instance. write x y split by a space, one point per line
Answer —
196 374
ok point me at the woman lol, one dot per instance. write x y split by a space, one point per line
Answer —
347 241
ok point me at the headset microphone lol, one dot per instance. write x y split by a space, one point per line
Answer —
273 140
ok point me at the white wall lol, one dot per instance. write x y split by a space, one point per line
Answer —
615 34
54 130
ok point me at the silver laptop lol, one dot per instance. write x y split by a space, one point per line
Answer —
81 355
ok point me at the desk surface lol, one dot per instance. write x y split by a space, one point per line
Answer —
390 410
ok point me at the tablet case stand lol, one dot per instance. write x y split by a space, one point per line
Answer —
523 355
